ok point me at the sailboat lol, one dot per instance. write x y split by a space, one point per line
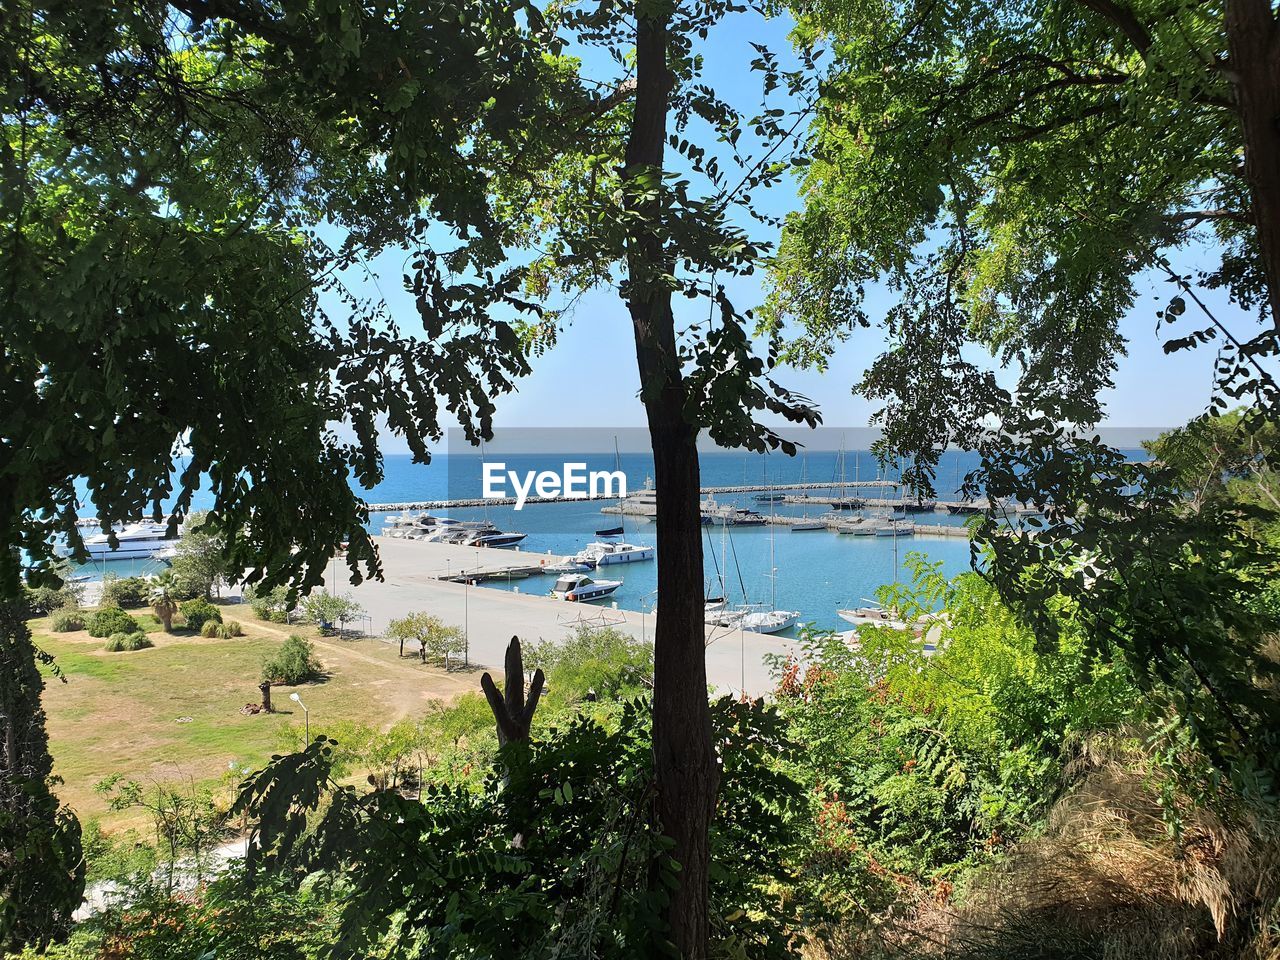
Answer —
805 523
770 620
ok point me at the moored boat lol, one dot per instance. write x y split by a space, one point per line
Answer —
580 588
134 541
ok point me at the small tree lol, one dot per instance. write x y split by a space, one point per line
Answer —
163 603
294 663
435 638
199 564
326 609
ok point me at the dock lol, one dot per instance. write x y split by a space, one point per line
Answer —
510 501
490 617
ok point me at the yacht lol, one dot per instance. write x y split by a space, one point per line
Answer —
600 554
642 503
580 588
727 515
492 537
134 541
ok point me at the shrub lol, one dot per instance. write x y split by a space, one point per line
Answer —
198 612
66 620
293 663
212 628
109 620
125 591
42 601
269 604
118 642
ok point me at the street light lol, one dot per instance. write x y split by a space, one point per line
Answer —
306 714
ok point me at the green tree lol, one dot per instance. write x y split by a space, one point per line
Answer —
575 884
41 866
199 565
435 638
294 663
163 171
163 602
328 609
1010 170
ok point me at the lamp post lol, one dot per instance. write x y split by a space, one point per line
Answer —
306 714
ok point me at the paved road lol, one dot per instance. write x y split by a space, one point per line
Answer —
735 659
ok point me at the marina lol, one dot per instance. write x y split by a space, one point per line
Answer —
825 559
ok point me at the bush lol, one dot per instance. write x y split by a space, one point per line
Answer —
198 612
125 591
109 620
269 604
118 642
42 601
293 663
212 628
66 620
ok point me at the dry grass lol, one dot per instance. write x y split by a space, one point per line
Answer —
1106 880
174 711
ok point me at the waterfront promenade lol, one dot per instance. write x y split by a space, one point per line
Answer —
412 568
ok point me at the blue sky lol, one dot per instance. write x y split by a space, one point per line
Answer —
589 378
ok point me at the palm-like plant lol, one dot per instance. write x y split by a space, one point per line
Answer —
163 603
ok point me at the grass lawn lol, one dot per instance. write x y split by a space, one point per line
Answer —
174 711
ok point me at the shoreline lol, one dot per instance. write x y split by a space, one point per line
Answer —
490 617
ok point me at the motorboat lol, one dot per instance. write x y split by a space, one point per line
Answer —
134 541
773 497
808 525
727 515
601 554
568 566
580 588
642 503
493 537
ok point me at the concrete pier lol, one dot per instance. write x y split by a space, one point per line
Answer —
490 617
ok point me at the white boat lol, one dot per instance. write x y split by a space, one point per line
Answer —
600 554
567 566
133 542
580 588
759 619
642 503
769 621
896 528
872 617
493 537
727 515
808 525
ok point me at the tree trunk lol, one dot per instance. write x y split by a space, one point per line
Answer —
1254 44
41 865
684 758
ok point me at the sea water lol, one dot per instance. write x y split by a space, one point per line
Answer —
814 572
